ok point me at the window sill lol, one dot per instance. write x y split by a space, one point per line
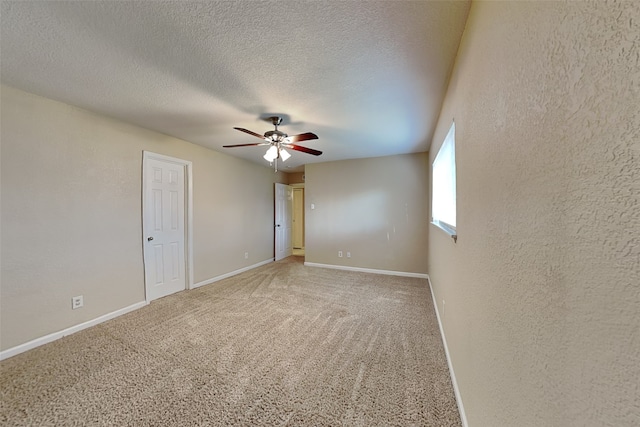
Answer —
447 229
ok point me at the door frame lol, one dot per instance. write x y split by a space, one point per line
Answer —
188 217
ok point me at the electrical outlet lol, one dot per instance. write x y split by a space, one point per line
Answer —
246 255
76 302
348 254
339 254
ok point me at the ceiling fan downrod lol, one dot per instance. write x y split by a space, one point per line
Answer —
275 135
276 120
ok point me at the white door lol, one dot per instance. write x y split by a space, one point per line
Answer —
284 208
164 227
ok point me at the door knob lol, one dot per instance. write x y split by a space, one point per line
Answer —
149 239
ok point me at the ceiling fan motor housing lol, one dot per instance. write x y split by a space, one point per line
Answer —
275 135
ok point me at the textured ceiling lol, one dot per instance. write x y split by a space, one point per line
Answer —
368 77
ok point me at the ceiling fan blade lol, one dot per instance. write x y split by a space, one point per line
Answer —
246 145
250 132
304 149
303 137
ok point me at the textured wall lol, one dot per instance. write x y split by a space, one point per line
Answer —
375 208
71 214
542 289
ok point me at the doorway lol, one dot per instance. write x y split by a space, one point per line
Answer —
298 221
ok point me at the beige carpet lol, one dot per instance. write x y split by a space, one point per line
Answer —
280 345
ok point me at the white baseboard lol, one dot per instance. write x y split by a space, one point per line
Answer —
368 270
456 390
72 330
233 273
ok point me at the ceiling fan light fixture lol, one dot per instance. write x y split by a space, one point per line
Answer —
277 141
271 154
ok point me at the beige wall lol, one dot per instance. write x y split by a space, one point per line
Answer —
375 208
295 178
71 214
542 289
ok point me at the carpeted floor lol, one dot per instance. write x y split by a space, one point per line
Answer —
280 345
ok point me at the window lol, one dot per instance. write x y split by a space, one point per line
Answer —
443 202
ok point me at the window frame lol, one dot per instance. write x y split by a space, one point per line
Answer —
449 140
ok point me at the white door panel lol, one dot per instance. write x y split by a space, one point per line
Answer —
164 225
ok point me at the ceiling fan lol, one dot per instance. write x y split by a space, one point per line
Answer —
278 141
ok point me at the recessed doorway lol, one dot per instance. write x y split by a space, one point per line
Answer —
298 221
